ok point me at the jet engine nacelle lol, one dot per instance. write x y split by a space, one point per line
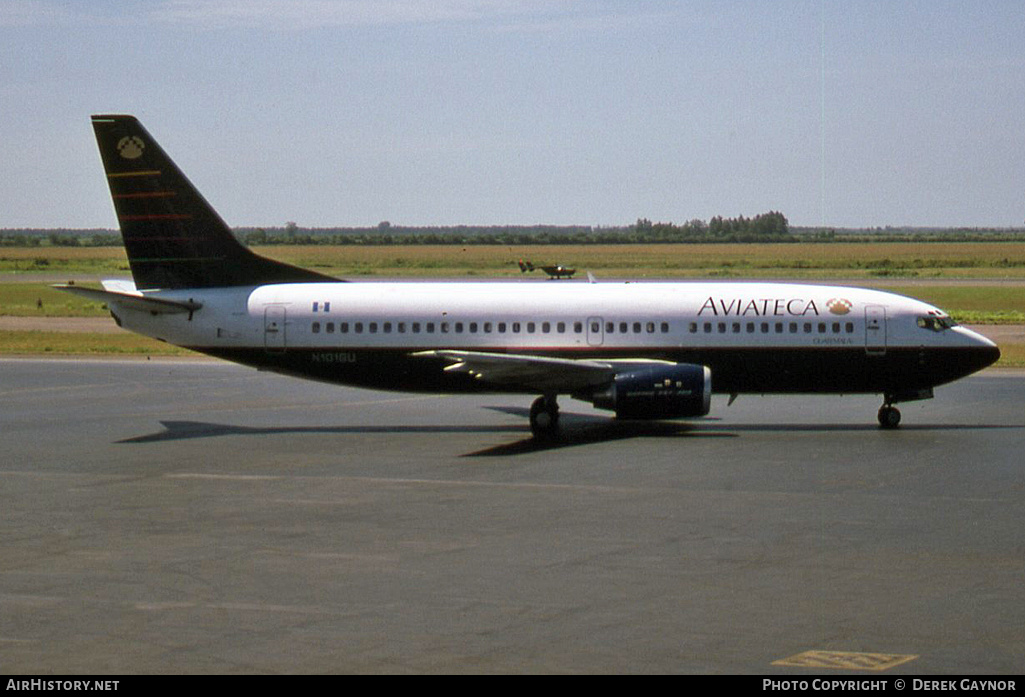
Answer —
658 392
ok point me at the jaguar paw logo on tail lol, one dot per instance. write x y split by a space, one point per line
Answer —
130 147
839 306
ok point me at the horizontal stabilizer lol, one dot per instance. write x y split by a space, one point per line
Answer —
134 301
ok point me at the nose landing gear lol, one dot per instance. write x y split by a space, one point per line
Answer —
889 415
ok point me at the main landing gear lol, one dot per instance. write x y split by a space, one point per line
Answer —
544 417
889 416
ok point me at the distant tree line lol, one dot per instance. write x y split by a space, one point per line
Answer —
27 237
767 227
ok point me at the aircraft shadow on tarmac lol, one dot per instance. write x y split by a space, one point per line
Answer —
583 429
576 430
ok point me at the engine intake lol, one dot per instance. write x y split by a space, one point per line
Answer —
658 392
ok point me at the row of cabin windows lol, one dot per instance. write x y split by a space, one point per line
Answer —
578 327
625 327
767 327
485 327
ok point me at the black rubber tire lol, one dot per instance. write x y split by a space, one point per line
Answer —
544 418
889 416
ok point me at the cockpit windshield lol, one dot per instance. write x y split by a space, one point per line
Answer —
936 323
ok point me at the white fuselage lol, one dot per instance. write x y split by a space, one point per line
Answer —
754 337
564 316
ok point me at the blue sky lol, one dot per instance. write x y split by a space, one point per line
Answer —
448 112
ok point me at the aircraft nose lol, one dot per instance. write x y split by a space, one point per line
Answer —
982 351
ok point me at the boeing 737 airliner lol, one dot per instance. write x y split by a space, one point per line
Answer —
641 350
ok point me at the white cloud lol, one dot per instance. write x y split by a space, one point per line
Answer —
308 14
301 15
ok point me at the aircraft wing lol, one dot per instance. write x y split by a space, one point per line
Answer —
541 374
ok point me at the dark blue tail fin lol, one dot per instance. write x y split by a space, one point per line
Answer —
173 237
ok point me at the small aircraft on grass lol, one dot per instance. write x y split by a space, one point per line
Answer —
554 272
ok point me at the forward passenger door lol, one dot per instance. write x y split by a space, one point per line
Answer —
875 330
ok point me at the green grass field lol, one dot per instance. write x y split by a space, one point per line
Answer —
27 299
798 260
84 344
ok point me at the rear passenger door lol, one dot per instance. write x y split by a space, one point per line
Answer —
274 323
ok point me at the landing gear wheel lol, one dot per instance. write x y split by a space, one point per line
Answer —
889 416
544 417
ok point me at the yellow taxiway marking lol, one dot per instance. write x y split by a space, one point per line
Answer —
845 660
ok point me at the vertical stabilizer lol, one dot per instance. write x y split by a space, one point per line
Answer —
173 237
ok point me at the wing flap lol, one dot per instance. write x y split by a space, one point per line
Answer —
541 374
